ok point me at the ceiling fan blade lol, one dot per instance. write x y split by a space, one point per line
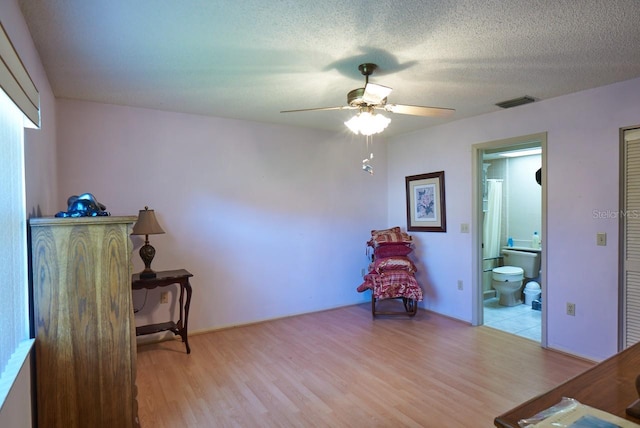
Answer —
419 110
320 109
375 94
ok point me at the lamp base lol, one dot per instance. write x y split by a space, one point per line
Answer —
147 253
147 274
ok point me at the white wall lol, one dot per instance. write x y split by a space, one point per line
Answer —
272 221
524 199
315 206
583 156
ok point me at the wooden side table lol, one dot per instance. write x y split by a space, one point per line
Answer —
164 279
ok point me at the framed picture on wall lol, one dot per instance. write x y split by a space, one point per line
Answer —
426 203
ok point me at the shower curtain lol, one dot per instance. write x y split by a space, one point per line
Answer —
491 227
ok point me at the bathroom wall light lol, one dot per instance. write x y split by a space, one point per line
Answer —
366 122
525 152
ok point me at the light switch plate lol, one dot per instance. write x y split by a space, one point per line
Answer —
601 239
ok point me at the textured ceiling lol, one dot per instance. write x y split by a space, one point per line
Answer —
251 59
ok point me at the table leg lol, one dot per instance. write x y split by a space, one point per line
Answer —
187 286
181 305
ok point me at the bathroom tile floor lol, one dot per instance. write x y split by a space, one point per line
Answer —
520 319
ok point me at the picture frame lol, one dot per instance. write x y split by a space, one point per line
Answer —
426 210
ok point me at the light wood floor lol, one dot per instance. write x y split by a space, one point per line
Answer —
340 368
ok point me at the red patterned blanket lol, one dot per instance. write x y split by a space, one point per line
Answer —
392 284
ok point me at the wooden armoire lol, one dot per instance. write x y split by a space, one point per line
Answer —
83 322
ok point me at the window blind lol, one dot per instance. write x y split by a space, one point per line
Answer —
19 101
15 80
14 328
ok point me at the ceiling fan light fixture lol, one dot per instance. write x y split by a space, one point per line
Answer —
374 96
367 123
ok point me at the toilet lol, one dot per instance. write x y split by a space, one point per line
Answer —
507 280
519 265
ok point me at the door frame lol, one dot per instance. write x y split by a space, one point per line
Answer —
477 308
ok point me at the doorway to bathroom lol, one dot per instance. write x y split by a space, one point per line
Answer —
509 220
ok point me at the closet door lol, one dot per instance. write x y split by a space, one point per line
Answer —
630 239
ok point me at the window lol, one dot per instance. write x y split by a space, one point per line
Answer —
19 105
14 328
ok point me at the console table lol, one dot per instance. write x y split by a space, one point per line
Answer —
164 279
609 386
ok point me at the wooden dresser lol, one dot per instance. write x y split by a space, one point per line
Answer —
609 385
83 322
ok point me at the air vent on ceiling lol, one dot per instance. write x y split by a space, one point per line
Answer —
516 102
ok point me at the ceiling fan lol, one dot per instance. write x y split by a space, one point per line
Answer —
374 97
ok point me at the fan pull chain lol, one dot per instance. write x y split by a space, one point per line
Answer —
366 163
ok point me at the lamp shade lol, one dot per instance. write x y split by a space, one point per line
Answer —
147 223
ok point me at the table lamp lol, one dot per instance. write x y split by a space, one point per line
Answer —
147 225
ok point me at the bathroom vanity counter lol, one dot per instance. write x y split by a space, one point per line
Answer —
609 386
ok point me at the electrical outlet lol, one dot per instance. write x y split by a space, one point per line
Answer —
601 239
460 285
571 309
164 297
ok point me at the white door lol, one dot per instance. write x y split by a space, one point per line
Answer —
630 239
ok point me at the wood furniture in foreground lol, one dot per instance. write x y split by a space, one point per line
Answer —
609 386
164 279
85 352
